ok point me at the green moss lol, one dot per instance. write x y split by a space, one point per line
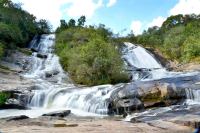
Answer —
4 97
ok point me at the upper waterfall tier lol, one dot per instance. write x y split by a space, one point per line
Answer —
137 56
48 66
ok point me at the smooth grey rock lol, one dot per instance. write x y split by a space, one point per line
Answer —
58 113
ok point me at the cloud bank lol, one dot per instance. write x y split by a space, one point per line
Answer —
54 10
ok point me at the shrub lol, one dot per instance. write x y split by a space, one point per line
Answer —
3 97
191 48
89 57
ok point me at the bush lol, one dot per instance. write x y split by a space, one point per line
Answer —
10 34
191 48
3 97
89 57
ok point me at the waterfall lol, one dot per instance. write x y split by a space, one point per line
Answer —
47 67
138 57
141 63
59 95
53 92
193 96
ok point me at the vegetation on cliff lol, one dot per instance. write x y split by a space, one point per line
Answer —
18 27
178 38
88 54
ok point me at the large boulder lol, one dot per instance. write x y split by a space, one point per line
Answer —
163 92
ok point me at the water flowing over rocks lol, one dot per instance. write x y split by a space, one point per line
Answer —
39 84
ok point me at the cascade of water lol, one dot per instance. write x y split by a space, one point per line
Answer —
142 64
51 95
138 57
94 99
48 67
62 95
193 95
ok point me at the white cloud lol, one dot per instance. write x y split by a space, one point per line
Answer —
111 3
83 7
51 10
186 7
136 27
157 22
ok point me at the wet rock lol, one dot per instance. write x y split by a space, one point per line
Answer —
51 74
125 106
34 50
16 118
58 113
36 87
42 56
12 106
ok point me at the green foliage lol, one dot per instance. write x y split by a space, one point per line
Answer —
1 50
10 34
173 41
177 39
18 27
89 56
191 48
81 21
3 97
72 23
43 26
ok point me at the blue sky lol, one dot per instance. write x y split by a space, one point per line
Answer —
135 15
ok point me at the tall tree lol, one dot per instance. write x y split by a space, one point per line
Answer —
81 21
72 23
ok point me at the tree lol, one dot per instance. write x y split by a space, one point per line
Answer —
72 23
6 3
44 26
81 21
63 24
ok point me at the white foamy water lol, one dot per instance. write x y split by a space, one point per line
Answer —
59 95
139 57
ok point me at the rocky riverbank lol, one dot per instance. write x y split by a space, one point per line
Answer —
136 99
85 124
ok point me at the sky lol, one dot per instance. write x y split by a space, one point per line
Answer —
122 16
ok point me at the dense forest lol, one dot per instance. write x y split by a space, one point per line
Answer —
18 27
178 38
